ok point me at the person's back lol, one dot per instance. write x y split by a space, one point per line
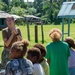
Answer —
57 54
19 66
38 69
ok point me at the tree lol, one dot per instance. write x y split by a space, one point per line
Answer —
38 6
6 1
3 6
31 11
18 11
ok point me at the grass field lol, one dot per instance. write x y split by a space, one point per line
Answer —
46 29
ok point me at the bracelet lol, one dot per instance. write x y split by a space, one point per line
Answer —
17 34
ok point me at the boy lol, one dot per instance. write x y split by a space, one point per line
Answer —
42 60
33 55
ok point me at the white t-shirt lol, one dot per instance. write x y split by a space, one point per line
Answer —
38 70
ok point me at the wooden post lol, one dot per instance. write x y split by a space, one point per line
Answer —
28 31
69 27
36 33
62 29
42 32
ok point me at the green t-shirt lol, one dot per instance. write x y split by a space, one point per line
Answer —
58 53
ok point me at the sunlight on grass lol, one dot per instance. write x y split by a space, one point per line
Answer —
46 29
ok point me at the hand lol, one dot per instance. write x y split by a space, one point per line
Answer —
14 30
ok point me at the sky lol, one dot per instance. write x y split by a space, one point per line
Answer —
29 0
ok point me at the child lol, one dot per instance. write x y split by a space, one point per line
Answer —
57 53
18 65
42 60
71 60
33 55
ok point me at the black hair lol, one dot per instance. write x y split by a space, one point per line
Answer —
34 52
70 41
41 47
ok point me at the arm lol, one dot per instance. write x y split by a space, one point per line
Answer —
48 60
17 31
7 41
19 37
48 54
46 68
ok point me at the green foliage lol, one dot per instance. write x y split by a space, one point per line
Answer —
3 6
38 5
38 14
16 3
6 1
20 22
45 9
31 11
18 11
45 19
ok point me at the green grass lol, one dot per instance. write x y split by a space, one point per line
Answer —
46 29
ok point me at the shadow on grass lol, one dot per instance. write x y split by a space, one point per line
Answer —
1 46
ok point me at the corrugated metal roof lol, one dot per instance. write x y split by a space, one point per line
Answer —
5 15
67 10
29 16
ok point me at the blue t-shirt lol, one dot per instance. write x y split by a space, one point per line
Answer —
19 66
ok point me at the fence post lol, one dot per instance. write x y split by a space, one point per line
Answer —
28 31
36 33
42 32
